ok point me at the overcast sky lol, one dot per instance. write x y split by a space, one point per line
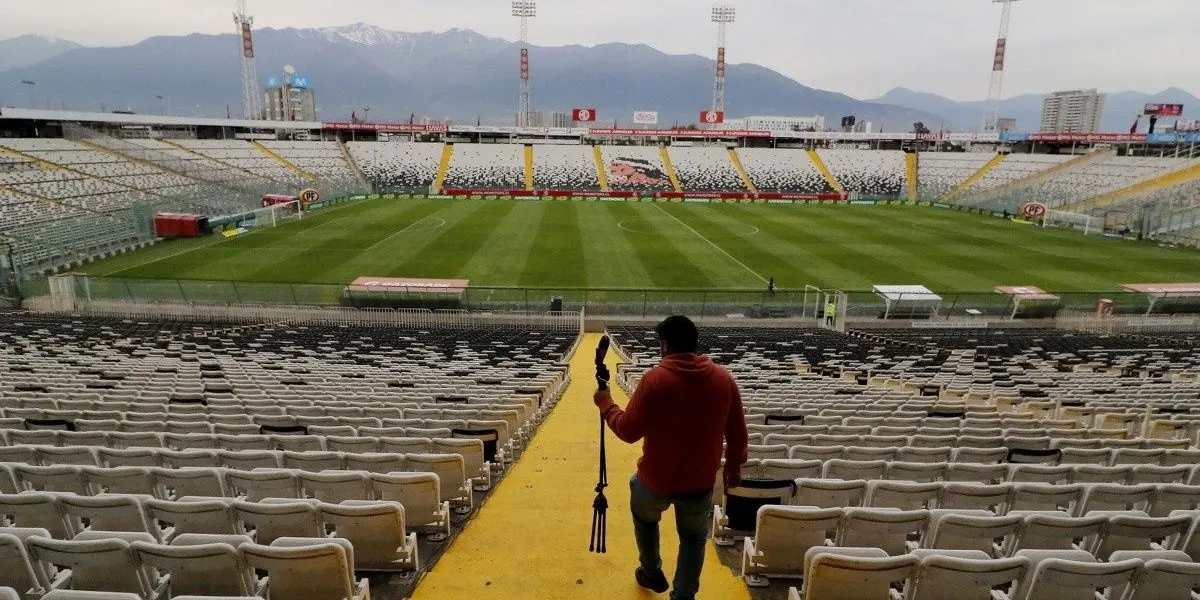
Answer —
859 47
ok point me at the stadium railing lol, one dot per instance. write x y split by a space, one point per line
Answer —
618 302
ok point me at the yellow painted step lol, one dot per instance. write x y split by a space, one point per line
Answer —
540 515
977 177
529 168
670 167
601 171
825 172
910 160
287 164
737 164
350 160
443 167
1163 181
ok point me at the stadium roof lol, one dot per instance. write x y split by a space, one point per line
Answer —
168 121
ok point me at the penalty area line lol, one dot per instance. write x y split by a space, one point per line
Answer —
711 243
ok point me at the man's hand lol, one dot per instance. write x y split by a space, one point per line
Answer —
602 376
732 476
602 398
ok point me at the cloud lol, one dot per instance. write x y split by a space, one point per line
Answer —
859 47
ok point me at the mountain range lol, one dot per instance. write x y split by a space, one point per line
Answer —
460 75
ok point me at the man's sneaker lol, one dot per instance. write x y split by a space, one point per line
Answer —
655 582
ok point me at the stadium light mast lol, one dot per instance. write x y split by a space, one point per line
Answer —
251 99
991 118
723 15
524 10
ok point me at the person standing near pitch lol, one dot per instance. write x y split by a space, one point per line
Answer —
682 411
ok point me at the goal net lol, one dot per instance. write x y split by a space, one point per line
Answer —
267 216
1088 224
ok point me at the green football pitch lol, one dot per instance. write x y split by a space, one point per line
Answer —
662 245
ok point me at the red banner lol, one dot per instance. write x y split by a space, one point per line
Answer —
384 127
1089 138
524 63
720 62
712 117
1001 51
247 41
695 133
583 115
1164 110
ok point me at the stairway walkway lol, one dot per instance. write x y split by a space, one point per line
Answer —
530 539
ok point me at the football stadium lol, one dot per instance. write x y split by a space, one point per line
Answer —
269 356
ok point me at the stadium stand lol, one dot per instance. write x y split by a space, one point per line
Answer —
879 173
155 443
1017 167
571 168
320 159
705 169
487 167
940 173
635 168
243 156
398 166
780 170
1098 177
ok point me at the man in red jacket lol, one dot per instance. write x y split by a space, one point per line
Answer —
682 410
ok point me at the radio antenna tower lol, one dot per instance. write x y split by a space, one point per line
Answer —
524 10
723 15
991 118
251 100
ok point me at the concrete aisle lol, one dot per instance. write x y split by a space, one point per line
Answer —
530 540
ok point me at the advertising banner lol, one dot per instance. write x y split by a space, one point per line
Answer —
583 115
645 117
712 117
1164 110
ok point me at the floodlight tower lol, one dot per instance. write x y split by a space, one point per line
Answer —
251 99
992 117
723 15
524 10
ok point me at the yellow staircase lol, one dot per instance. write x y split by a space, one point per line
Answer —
529 168
977 177
443 167
670 167
1166 180
601 172
350 160
737 164
910 161
289 165
824 171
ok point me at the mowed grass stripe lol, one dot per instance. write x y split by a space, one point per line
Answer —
714 261
557 257
447 256
829 241
791 263
666 264
946 266
327 258
610 257
501 258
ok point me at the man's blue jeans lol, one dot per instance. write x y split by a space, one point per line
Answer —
693 520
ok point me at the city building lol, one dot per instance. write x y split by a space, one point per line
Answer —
549 118
291 103
1072 111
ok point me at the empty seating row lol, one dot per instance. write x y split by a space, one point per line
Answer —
972 449
869 574
994 498
197 504
143 470
784 534
104 567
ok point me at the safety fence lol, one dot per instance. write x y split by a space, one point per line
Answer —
334 302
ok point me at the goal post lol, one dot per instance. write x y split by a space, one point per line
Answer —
260 218
1088 224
